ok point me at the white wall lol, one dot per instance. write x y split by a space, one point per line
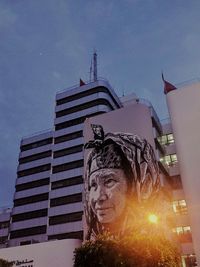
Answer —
135 119
184 109
49 254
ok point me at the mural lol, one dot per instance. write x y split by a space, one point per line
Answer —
121 174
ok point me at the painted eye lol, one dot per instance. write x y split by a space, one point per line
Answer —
110 182
93 185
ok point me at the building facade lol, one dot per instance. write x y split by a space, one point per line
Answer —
48 195
47 202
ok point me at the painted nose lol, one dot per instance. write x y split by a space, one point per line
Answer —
101 193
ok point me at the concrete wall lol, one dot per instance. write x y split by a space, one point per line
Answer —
49 254
184 108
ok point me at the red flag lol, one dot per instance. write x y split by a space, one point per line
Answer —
167 86
81 82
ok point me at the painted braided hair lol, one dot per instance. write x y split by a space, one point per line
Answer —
122 151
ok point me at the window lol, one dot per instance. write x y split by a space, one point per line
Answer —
3 240
31 199
68 151
86 93
67 182
183 233
180 207
35 157
30 171
66 218
84 106
170 160
4 224
189 260
73 122
29 215
182 230
66 200
68 137
37 144
28 231
38 183
166 139
67 166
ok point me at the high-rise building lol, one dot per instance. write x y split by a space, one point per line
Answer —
48 196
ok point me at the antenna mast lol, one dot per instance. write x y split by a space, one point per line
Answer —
91 71
95 66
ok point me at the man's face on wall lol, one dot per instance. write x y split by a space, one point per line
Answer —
107 194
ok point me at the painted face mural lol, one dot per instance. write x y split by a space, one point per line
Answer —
107 196
120 170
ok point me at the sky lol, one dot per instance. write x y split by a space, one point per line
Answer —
47 45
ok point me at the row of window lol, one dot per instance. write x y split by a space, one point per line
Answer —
179 207
28 231
48 153
182 230
33 184
73 122
169 160
31 199
166 139
29 215
37 144
86 93
3 240
45 196
189 260
68 137
183 234
40 230
35 157
67 166
84 106
34 170
57 168
66 200
4 224
67 182
43 212
68 151
54 185
71 235
66 218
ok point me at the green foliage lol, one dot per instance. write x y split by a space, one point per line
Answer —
4 263
128 251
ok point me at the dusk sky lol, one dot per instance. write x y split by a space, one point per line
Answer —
47 45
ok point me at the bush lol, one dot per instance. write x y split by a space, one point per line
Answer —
128 251
4 263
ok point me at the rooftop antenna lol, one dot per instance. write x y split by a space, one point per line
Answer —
91 71
95 66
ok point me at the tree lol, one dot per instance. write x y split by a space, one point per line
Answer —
4 263
136 250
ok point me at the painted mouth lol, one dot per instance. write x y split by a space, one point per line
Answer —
103 209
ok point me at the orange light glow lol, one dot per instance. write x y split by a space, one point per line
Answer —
153 218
